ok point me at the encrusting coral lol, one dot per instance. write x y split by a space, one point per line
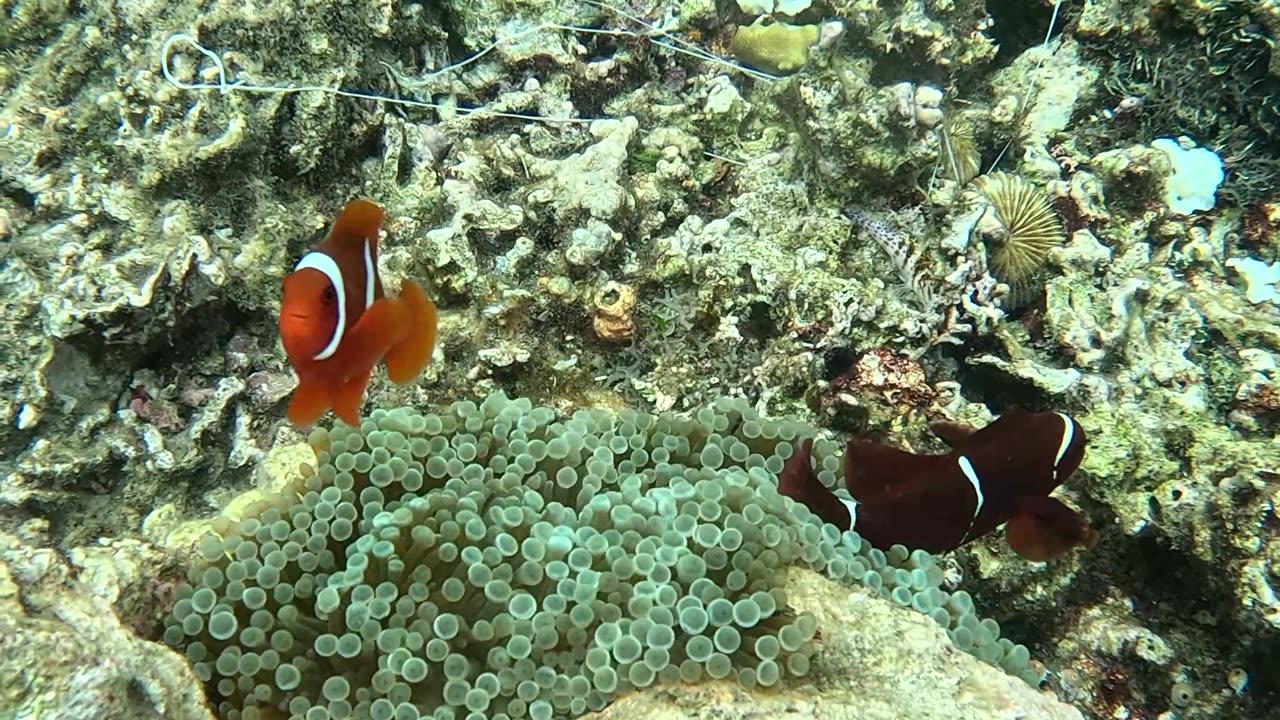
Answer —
504 562
777 48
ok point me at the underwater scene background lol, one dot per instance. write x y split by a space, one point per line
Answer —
679 296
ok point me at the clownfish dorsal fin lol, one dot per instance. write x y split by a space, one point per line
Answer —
954 434
360 219
1052 433
872 469
352 242
1011 427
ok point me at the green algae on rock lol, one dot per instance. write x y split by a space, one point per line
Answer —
512 562
779 48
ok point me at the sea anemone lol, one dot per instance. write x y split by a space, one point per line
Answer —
1020 227
501 556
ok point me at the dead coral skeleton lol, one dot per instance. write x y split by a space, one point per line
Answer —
959 157
615 305
962 302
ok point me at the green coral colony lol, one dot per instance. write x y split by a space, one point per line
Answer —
496 561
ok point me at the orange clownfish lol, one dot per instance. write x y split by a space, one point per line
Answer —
336 323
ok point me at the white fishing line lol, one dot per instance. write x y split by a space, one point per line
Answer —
654 34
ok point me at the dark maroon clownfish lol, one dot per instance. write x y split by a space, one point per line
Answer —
999 475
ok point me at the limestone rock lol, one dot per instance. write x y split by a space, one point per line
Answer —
878 662
64 654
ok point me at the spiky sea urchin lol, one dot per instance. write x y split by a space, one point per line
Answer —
961 160
1025 227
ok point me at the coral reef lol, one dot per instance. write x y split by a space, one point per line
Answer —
1146 330
1205 70
135 210
608 214
145 249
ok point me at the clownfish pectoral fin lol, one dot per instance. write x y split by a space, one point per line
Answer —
871 469
1043 528
406 359
348 398
954 434
384 325
797 479
798 482
309 403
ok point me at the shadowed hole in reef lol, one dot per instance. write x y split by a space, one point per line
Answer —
1187 602
758 323
907 63
200 330
18 195
837 364
838 361
1019 25
997 390
1168 589
91 511
1262 694
193 351
1171 588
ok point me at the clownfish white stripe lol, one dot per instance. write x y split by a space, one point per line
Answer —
853 511
325 264
1068 434
368 274
971 475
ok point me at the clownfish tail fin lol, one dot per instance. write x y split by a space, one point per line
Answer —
797 479
798 482
407 358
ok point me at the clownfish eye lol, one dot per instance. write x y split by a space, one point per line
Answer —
329 297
